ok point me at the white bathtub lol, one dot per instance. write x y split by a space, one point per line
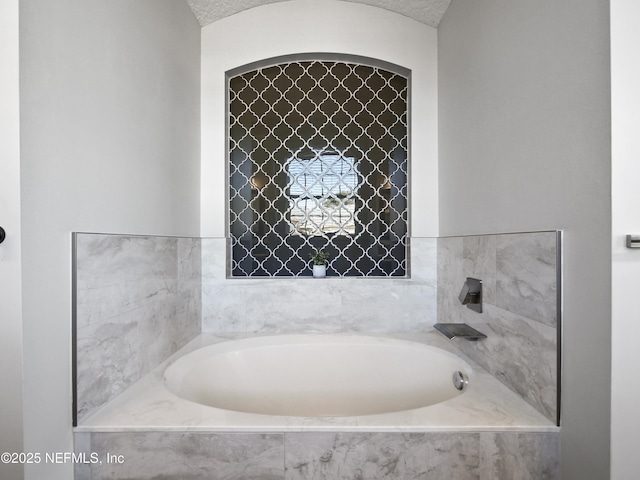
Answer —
151 404
317 375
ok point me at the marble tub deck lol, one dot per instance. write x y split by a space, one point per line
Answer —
486 406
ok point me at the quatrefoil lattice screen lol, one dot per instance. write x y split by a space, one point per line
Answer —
318 159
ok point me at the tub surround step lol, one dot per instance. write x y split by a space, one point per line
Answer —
320 456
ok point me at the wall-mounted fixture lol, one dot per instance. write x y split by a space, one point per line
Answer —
471 294
2 235
459 330
633 241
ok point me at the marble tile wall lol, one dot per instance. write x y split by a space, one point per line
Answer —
272 305
519 274
179 455
320 456
138 300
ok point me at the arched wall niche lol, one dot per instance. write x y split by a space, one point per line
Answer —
318 160
301 29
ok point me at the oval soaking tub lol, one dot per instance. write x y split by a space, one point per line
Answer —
316 375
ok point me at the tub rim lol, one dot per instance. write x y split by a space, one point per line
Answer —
184 366
148 406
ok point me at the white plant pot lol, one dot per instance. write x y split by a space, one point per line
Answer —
319 271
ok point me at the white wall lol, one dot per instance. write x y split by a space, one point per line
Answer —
10 262
525 145
311 26
625 394
110 143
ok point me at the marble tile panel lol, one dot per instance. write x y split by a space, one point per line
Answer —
450 278
525 456
189 456
321 455
138 300
107 259
519 275
387 306
271 306
334 456
519 352
82 445
187 322
526 275
104 303
318 305
214 258
424 259
106 360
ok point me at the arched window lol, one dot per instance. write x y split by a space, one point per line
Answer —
318 159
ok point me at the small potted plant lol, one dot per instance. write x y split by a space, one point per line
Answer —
319 259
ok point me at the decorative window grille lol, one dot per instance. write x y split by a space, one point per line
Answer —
318 160
322 194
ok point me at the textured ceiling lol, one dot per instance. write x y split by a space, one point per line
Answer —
425 11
